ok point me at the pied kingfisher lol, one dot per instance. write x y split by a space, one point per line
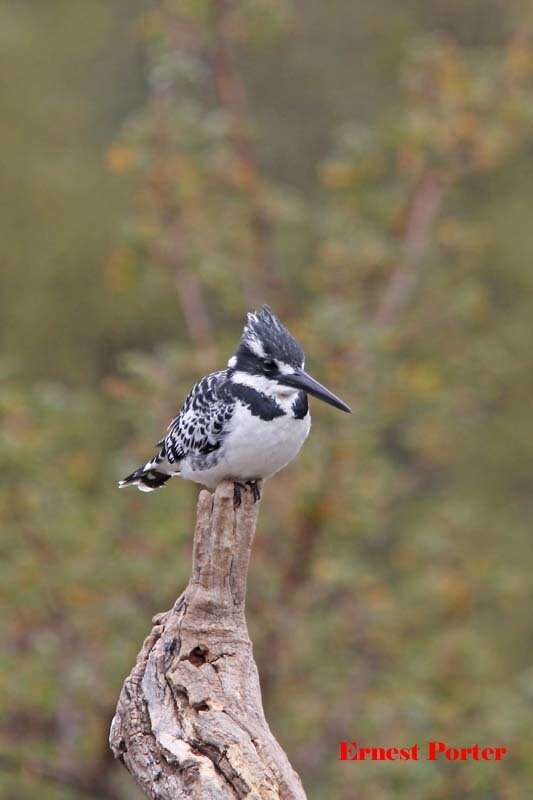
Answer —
244 423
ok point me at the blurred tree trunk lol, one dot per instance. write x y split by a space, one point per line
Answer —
262 280
189 721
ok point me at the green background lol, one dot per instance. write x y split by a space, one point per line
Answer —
367 169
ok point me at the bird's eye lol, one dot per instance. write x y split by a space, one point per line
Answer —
269 363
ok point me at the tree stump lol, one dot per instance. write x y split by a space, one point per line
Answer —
189 721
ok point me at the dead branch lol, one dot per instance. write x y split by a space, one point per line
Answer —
424 207
189 721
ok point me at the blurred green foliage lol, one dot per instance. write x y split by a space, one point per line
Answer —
366 169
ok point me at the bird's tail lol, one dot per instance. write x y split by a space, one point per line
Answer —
145 478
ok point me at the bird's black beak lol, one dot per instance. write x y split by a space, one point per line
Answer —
301 380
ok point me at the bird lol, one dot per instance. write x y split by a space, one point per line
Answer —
243 423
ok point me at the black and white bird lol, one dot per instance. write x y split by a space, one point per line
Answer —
244 423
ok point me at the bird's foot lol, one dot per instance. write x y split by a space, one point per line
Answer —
237 493
255 489
238 488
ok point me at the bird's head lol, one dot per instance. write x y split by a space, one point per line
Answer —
269 355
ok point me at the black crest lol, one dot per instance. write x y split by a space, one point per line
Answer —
266 337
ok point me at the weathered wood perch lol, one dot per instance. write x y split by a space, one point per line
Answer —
189 721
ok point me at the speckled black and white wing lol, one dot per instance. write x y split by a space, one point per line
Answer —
194 436
197 432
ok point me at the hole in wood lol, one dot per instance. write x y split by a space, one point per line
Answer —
198 655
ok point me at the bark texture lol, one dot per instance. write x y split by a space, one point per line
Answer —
189 721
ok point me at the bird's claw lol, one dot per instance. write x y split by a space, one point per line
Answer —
237 491
254 488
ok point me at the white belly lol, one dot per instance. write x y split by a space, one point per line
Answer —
253 448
